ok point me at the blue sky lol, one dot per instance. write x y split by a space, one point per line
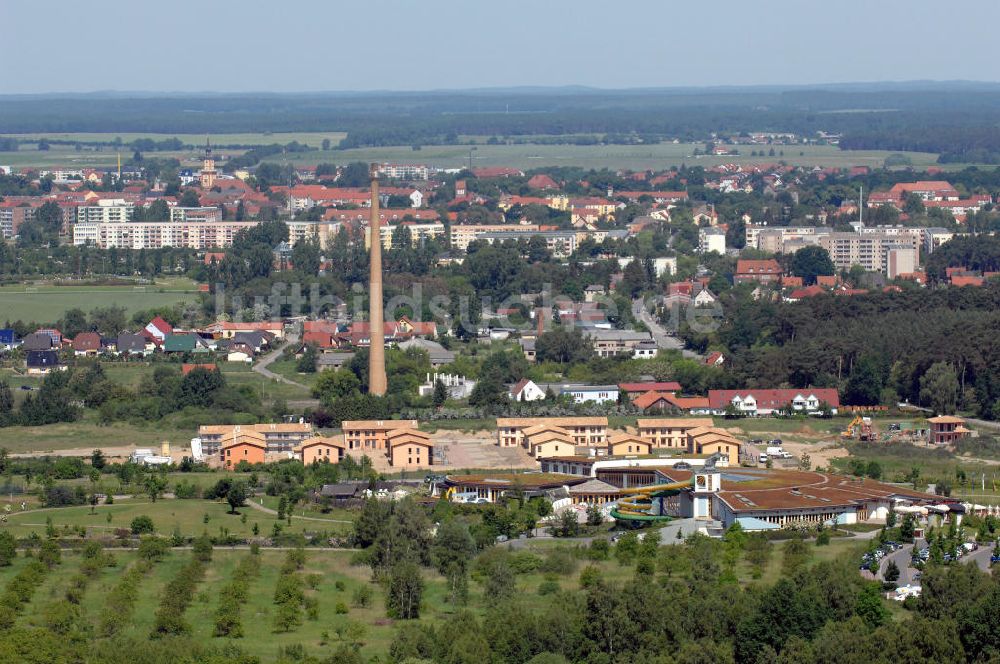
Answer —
318 45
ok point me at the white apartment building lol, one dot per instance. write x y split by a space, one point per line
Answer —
108 211
711 239
419 233
559 243
195 214
463 234
154 235
900 259
935 237
405 171
869 250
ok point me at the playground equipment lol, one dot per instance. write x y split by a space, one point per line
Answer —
862 425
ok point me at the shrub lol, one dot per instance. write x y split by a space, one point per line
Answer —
341 608
590 576
176 598
548 587
362 597
153 548
203 548
8 548
50 554
120 602
142 525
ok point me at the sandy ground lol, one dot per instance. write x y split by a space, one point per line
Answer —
821 448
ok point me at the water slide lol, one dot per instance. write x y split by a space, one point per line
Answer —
637 502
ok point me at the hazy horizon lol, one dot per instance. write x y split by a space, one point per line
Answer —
451 46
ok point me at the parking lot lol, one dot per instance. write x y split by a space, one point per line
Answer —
910 575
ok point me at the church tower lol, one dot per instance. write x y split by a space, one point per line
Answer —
208 172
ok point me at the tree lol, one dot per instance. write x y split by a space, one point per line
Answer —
97 459
307 362
810 262
892 572
334 385
405 591
453 547
566 346
864 387
142 525
595 515
306 256
869 606
199 387
939 388
440 393
154 486
8 548
189 199
6 403
236 496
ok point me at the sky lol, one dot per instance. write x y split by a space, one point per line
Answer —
336 45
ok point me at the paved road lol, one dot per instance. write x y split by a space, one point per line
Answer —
268 510
907 574
260 366
660 334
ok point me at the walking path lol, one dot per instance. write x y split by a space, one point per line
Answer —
260 366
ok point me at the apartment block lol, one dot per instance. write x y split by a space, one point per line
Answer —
585 431
868 249
154 235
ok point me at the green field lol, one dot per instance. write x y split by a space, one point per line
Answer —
170 515
659 156
527 156
46 303
87 435
311 138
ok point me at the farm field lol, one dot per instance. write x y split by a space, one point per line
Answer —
311 138
87 435
46 303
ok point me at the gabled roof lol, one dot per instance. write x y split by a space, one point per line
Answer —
333 441
665 386
773 399
87 341
162 326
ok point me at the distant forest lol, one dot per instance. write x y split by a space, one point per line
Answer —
961 122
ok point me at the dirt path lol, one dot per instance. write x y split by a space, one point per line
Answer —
268 510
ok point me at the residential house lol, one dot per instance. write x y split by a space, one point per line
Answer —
768 402
526 390
179 343
159 329
547 440
946 429
7 339
609 343
42 362
715 359
38 341
131 344
669 402
760 271
87 343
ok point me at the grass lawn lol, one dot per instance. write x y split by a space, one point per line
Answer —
47 303
86 434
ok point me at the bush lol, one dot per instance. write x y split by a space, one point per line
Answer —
8 548
50 554
142 525
590 576
362 597
340 609
176 598
203 548
153 548
548 587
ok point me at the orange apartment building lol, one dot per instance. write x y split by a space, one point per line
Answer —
237 446
409 448
371 434
319 449
670 433
280 437
585 431
629 445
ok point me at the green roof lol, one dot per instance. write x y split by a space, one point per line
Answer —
179 343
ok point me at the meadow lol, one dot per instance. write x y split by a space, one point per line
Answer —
46 302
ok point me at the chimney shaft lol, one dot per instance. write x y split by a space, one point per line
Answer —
377 382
